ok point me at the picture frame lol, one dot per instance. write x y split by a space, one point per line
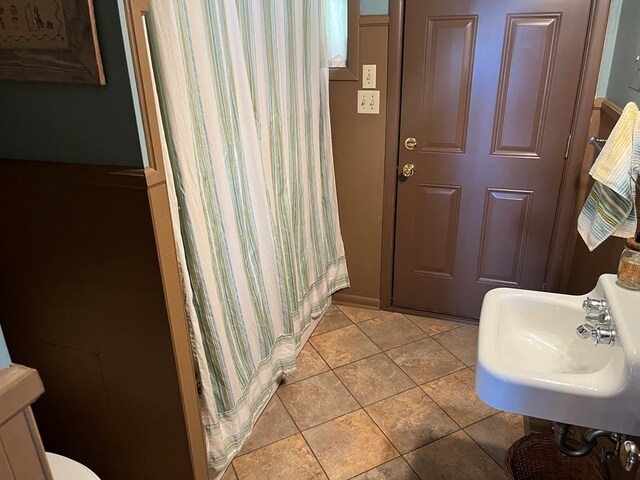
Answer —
50 41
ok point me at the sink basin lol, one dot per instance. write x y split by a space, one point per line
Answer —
532 362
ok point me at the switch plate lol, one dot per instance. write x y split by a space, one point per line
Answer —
368 76
369 101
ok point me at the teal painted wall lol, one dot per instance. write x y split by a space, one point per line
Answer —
609 47
374 7
5 361
77 123
624 74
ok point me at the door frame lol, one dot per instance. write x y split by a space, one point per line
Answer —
560 245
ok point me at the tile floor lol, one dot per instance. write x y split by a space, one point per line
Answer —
380 395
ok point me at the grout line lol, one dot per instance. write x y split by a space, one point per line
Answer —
385 436
348 326
460 427
314 455
314 334
478 444
302 379
469 366
397 346
457 324
380 400
483 419
265 446
430 380
333 418
437 406
484 451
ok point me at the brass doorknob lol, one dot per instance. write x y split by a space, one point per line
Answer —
408 170
410 143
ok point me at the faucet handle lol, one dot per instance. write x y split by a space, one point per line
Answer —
595 304
607 336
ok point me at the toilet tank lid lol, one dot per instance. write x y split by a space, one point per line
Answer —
64 468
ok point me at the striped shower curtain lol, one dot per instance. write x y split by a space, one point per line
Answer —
243 88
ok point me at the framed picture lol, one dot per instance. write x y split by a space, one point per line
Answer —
49 41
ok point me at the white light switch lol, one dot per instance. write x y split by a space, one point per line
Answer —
368 76
369 101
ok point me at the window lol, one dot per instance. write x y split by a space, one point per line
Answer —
343 18
338 32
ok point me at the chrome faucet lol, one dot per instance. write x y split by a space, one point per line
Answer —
599 325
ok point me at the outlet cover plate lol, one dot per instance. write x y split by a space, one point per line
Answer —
369 101
368 76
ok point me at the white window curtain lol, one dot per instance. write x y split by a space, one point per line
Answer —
337 31
243 87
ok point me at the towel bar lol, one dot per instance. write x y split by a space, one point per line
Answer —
598 143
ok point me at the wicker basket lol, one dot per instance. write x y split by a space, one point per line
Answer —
537 457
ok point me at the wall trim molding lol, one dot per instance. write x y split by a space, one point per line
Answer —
374 20
356 300
99 175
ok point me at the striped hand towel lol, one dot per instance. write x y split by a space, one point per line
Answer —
610 208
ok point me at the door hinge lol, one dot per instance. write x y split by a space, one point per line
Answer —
566 150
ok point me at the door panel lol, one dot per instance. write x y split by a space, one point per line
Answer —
523 91
449 58
438 209
504 233
488 91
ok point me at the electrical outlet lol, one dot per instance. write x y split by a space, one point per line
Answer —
369 101
368 76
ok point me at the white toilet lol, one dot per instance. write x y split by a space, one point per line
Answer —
64 468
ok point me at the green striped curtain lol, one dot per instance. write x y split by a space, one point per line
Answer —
243 88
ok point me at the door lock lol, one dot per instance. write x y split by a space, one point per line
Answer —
410 143
408 170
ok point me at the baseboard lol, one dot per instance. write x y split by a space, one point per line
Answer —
356 300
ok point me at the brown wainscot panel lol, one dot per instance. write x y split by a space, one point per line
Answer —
446 100
504 232
437 211
525 79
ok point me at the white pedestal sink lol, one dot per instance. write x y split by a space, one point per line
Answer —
532 362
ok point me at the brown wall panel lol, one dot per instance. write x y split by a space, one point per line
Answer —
504 231
585 267
437 210
448 67
524 86
83 303
358 150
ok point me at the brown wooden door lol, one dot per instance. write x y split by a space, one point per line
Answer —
489 90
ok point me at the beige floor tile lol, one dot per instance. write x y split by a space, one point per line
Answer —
333 319
433 326
316 400
230 474
411 419
358 315
462 342
425 360
496 434
284 460
373 378
397 469
453 457
274 424
391 331
349 445
456 395
343 346
308 364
